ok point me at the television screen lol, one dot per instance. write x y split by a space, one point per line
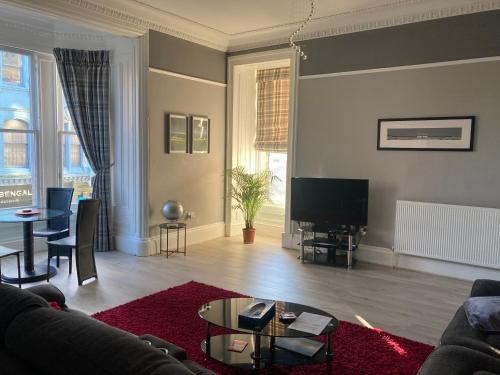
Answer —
330 201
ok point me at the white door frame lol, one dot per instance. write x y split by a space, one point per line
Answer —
256 58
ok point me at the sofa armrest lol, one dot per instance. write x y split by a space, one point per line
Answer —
49 293
485 288
173 350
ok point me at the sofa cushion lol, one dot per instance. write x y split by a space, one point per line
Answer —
49 293
483 313
457 360
59 343
484 288
460 332
14 301
174 350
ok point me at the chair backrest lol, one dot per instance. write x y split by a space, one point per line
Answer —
86 221
59 199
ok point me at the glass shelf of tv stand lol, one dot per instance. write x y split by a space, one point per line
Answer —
339 245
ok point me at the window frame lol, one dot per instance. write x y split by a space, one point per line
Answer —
34 157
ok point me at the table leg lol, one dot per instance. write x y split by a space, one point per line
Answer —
185 237
19 270
177 250
256 354
30 272
160 241
167 241
29 256
272 349
329 351
207 340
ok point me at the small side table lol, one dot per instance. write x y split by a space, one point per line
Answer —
168 227
5 252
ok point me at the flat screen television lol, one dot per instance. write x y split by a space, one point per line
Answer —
330 201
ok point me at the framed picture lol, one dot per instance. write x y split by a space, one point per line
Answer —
200 135
176 133
428 133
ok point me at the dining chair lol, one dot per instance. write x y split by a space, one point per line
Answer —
57 199
82 241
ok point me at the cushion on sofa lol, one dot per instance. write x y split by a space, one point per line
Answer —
460 332
13 301
457 360
484 288
483 313
54 341
49 293
174 350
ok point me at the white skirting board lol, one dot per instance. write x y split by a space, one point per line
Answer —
386 257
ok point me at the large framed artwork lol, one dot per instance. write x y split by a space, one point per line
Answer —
176 133
200 135
426 133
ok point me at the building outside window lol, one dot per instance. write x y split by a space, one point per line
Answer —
76 170
17 133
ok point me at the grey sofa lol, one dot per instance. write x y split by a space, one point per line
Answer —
464 350
36 338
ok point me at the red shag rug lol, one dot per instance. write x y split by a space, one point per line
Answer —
173 315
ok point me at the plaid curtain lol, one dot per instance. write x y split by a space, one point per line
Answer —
273 87
85 81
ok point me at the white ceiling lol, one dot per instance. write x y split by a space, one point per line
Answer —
240 16
231 25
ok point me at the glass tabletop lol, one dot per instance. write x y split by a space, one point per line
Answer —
9 216
224 313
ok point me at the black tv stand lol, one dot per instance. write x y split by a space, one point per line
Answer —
343 240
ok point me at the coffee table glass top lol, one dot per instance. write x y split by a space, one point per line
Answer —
224 313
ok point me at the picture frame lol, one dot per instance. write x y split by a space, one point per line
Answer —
199 139
426 134
176 133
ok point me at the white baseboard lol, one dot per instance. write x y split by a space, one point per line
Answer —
375 255
194 235
445 268
132 245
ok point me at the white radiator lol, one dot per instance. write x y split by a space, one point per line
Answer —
460 234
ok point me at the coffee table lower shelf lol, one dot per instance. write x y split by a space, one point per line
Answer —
218 350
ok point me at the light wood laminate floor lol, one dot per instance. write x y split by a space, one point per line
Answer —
406 303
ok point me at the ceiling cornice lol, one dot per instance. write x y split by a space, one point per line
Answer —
130 18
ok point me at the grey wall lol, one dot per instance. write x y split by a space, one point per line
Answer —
454 38
196 180
337 134
181 56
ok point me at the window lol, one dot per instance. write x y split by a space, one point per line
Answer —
13 68
76 171
18 136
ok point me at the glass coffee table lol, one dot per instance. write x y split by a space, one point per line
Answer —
262 347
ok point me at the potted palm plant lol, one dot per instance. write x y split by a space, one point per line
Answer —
249 192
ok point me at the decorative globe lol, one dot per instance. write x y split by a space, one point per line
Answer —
172 210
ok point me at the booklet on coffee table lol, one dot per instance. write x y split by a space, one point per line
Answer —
310 323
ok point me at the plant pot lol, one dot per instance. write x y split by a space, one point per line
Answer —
248 235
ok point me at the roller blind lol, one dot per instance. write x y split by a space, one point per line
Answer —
273 87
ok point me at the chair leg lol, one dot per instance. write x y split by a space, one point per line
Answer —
71 261
18 270
48 265
57 261
0 270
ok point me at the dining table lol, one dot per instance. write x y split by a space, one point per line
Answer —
30 272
